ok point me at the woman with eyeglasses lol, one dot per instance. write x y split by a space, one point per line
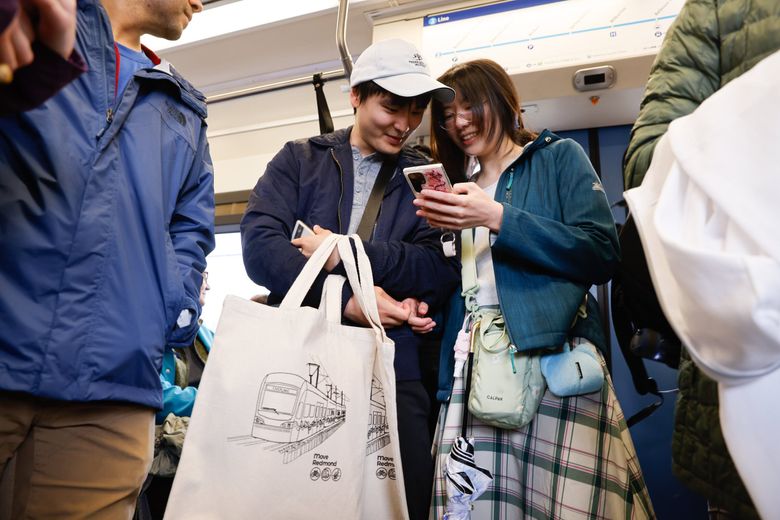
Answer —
543 234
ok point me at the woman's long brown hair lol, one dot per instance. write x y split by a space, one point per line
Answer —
478 83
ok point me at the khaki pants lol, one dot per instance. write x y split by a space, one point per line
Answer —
72 460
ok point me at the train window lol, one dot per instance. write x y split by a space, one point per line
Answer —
281 402
226 276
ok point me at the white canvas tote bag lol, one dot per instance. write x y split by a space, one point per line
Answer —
295 416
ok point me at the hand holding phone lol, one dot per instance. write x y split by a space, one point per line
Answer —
301 230
427 177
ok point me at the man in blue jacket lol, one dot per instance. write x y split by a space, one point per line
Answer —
106 216
325 181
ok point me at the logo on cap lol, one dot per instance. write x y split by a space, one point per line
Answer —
417 60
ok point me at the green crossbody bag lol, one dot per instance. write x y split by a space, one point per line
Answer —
505 386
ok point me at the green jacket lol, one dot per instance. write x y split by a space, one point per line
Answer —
710 43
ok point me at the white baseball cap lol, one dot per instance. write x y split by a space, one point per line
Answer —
398 67
707 213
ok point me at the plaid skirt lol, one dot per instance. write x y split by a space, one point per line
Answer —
575 460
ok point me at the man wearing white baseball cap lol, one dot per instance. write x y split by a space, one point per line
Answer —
328 182
707 213
397 66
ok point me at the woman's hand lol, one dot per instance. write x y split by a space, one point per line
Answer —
466 207
309 244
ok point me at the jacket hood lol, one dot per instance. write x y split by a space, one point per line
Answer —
545 138
188 94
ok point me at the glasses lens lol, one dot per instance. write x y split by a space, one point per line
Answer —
448 122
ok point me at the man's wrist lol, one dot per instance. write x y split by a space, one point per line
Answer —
353 313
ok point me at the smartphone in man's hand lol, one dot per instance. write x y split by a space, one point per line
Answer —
301 230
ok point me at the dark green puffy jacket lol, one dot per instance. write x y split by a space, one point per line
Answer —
710 43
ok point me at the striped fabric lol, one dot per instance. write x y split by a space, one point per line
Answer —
575 460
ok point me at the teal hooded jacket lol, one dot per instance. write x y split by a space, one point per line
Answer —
557 239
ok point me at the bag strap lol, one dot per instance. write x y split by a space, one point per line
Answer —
330 302
468 271
309 273
468 274
359 274
366 227
361 279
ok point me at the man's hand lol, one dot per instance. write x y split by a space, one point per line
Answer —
55 25
419 323
15 46
392 313
51 22
308 245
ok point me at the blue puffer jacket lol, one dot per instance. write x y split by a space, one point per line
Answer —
311 180
106 215
557 238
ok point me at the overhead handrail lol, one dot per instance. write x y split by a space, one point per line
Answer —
341 37
277 85
346 60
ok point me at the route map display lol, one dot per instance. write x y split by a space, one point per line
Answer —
530 35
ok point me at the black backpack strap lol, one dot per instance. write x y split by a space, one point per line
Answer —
366 227
638 320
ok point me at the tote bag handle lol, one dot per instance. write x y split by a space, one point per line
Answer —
362 284
309 273
361 278
330 303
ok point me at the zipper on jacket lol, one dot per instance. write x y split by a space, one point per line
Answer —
109 118
110 110
341 191
509 183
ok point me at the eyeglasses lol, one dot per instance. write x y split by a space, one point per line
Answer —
449 120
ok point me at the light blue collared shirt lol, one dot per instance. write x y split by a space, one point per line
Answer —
366 172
